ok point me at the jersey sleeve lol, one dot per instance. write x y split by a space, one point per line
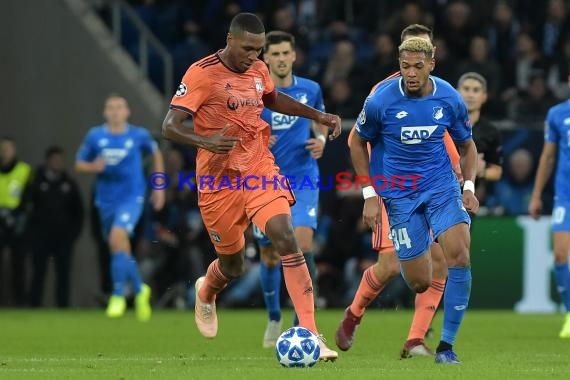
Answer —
192 91
461 129
451 149
268 85
367 124
551 134
148 143
87 152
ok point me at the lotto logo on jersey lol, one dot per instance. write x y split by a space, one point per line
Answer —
415 135
280 121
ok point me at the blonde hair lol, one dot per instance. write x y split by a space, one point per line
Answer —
417 45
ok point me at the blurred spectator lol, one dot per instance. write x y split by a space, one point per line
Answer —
446 65
341 100
55 224
560 72
513 192
384 61
479 62
529 60
531 105
554 29
410 12
458 28
14 187
503 33
342 64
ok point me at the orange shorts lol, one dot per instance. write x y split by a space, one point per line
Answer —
227 213
381 241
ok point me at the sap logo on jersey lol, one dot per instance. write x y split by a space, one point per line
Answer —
113 156
280 121
415 135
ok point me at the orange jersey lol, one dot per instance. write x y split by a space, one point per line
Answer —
447 140
217 96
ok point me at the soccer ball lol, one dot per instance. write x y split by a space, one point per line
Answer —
297 347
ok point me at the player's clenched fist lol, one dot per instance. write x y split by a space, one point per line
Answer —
220 143
470 202
333 122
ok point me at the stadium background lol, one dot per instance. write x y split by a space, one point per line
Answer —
62 60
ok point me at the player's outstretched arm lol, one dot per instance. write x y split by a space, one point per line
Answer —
96 166
545 167
468 152
174 130
371 213
285 104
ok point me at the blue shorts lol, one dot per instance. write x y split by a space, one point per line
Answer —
303 212
411 219
123 215
560 216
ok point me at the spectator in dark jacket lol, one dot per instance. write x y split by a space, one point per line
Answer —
55 224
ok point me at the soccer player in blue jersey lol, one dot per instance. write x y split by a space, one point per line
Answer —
557 143
295 153
404 121
114 151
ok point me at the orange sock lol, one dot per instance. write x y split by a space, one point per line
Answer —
367 292
426 306
215 283
300 288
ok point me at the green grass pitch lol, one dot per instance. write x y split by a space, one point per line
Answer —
87 345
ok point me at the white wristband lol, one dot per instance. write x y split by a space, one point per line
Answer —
368 192
469 186
322 138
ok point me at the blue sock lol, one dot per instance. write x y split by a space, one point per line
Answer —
271 286
562 274
120 267
134 275
455 301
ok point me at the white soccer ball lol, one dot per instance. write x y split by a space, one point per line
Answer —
297 347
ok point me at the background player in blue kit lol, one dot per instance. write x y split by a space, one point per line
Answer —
404 121
296 154
114 151
557 143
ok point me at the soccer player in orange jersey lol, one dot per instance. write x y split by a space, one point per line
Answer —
225 94
376 277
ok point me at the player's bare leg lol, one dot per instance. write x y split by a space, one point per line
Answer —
426 306
220 272
279 230
373 281
561 270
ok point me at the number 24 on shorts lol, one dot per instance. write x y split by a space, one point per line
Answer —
400 237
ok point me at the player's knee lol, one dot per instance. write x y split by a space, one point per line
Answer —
233 269
271 259
419 286
284 241
560 255
460 260
305 246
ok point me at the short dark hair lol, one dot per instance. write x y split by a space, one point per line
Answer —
475 76
416 30
9 139
276 37
246 22
52 150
